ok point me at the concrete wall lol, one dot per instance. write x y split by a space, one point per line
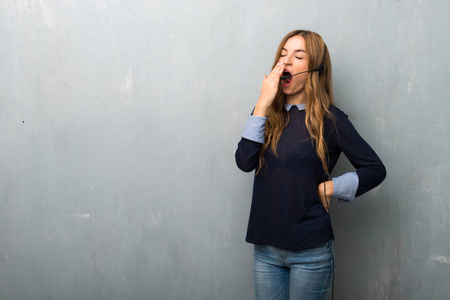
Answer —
118 126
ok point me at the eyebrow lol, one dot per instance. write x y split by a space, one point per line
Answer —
298 50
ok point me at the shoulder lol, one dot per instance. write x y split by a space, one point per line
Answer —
336 113
337 121
335 117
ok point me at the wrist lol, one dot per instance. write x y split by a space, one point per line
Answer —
329 187
260 109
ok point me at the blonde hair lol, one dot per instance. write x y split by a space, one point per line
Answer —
319 96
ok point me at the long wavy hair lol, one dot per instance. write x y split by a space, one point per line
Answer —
319 96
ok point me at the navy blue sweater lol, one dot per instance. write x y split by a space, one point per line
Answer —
286 211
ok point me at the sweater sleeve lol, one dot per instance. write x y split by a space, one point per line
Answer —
369 168
247 153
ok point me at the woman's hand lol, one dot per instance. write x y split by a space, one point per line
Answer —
269 90
329 188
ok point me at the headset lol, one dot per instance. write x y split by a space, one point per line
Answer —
329 213
320 69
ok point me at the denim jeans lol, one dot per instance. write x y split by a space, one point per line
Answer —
284 274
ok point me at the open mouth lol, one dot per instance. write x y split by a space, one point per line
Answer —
286 77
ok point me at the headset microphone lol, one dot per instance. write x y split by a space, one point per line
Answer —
319 69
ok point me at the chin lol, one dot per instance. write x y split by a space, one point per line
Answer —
289 91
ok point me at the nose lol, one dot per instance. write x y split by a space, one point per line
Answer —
286 60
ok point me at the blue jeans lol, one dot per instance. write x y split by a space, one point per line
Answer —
285 274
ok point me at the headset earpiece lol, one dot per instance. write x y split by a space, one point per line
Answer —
321 68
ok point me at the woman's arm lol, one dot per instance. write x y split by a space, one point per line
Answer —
328 188
369 168
247 153
269 90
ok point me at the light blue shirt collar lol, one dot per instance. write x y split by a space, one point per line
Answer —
300 106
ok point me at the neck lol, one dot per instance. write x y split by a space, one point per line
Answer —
296 99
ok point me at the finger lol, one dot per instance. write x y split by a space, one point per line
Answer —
264 81
280 67
324 203
277 71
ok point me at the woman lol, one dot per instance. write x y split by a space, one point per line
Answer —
293 140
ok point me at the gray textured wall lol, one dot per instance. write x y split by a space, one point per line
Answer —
118 126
